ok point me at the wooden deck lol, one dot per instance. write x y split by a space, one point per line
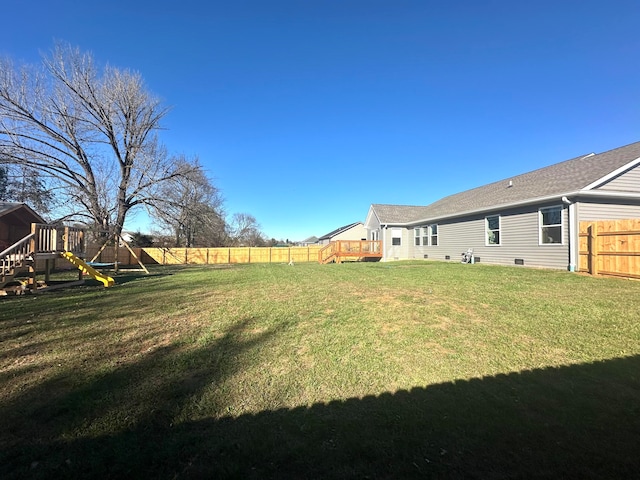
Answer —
45 242
343 250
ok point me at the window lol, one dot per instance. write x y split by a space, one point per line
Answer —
434 234
396 236
425 236
493 229
551 225
416 232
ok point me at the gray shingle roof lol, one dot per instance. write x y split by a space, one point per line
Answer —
399 214
555 180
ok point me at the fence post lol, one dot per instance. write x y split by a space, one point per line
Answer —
593 248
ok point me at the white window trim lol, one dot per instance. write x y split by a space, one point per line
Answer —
486 231
540 225
396 233
416 236
431 235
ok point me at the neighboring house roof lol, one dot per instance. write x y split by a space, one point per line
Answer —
20 210
578 175
338 231
312 239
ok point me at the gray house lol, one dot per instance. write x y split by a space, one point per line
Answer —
529 219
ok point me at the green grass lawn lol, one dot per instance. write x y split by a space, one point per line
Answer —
363 370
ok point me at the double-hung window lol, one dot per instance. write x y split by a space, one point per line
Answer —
493 229
416 232
425 236
433 235
550 225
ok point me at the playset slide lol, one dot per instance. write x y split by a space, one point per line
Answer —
88 269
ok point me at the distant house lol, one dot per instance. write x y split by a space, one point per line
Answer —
308 241
353 231
15 222
529 219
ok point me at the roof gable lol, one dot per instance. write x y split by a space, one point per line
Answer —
21 211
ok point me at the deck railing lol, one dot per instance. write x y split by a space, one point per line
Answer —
326 254
341 249
52 239
14 257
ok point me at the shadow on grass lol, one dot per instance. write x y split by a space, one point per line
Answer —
140 399
578 421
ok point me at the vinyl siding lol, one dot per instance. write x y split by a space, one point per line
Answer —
627 182
372 224
397 252
607 211
519 232
357 232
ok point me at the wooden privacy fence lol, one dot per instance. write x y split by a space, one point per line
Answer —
208 256
610 247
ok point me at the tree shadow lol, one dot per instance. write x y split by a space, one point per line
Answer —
580 421
152 391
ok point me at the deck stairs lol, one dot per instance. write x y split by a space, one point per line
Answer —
350 250
15 259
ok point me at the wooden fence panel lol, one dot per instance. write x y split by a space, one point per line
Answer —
610 247
218 256
150 256
197 256
280 255
303 254
239 255
260 255
207 256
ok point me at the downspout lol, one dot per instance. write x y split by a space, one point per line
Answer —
573 237
383 232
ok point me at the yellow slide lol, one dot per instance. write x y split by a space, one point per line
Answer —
88 269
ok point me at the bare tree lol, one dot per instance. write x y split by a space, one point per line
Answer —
91 133
4 183
190 206
18 184
245 230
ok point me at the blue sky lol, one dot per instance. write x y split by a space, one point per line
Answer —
306 112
